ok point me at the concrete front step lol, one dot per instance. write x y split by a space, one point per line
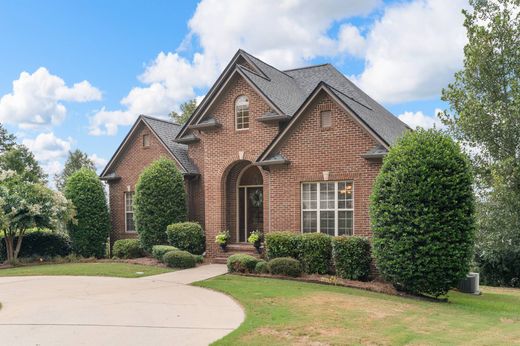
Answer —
232 249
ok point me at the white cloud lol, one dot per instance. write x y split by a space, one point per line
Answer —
351 41
413 51
415 119
36 99
284 33
99 162
47 147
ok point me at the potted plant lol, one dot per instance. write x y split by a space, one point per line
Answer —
222 239
255 238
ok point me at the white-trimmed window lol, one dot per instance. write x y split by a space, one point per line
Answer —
129 212
328 207
242 113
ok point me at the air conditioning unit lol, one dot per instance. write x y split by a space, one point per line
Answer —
470 284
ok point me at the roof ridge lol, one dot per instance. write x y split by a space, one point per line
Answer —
160 119
307 67
263 62
251 71
350 97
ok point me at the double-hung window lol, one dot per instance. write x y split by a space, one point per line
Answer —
328 207
129 212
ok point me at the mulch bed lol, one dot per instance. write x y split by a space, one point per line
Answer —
149 261
372 286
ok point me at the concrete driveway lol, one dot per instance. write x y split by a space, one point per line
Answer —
155 310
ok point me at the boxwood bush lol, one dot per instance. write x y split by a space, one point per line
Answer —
89 234
127 248
282 244
261 267
160 200
158 251
315 252
242 263
351 257
40 243
285 266
179 259
422 213
187 236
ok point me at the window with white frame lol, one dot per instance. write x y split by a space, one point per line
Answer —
328 207
129 212
242 113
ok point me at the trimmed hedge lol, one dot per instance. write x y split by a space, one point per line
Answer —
351 256
158 251
242 263
40 243
188 236
282 244
179 259
422 213
89 235
127 248
285 266
160 200
262 267
315 253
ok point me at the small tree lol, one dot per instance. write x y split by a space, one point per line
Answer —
423 214
20 159
90 234
160 200
75 161
24 205
187 109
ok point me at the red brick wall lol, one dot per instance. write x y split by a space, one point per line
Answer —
218 152
312 150
131 161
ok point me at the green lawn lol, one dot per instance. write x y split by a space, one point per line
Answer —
281 312
124 270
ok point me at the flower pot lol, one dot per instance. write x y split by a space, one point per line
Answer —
223 247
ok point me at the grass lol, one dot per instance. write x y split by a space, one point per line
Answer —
281 312
123 270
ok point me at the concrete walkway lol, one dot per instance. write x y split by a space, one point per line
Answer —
81 310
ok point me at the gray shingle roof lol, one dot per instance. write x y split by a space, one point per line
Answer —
167 131
289 89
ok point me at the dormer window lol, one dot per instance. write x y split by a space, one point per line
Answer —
146 140
242 113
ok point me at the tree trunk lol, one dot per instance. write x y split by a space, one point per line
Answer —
18 245
9 248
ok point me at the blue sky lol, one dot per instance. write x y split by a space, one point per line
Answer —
75 74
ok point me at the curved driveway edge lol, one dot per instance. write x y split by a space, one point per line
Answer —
82 310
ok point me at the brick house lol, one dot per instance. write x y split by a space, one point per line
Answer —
266 149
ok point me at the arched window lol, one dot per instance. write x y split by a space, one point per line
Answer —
242 113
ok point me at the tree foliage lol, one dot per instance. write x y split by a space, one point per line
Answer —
422 214
484 113
89 234
160 200
19 159
7 140
75 161
25 204
187 109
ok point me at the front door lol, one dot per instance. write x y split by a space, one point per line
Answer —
250 211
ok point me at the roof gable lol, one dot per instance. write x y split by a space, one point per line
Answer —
165 131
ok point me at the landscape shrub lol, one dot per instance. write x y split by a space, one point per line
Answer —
188 236
160 200
179 259
285 266
261 267
199 258
89 234
242 263
127 248
158 251
422 213
315 252
282 244
351 257
40 243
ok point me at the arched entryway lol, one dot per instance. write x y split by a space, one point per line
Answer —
250 202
